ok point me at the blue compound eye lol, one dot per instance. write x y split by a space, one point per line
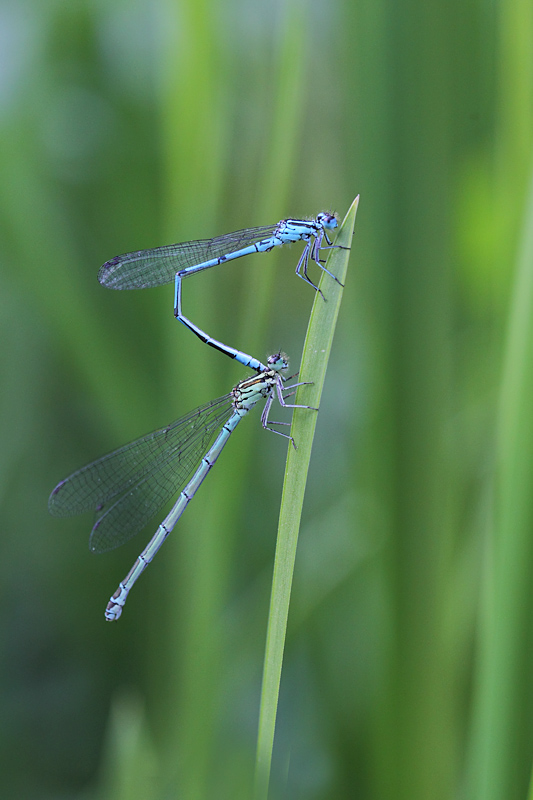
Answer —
278 361
327 220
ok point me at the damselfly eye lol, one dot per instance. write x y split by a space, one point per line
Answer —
327 220
278 362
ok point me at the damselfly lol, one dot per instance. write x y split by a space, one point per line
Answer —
128 486
146 268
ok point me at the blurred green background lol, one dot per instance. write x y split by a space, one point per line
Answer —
409 660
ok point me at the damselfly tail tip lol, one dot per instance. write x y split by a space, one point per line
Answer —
112 612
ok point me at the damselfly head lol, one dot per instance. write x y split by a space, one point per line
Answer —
327 220
278 362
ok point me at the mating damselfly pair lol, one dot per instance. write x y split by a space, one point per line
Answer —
128 486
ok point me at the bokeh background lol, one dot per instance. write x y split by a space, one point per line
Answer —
409 660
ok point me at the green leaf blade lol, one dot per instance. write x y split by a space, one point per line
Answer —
317 348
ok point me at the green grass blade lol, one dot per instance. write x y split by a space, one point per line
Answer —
502 683
315 358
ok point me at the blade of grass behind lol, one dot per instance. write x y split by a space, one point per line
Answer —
499 725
